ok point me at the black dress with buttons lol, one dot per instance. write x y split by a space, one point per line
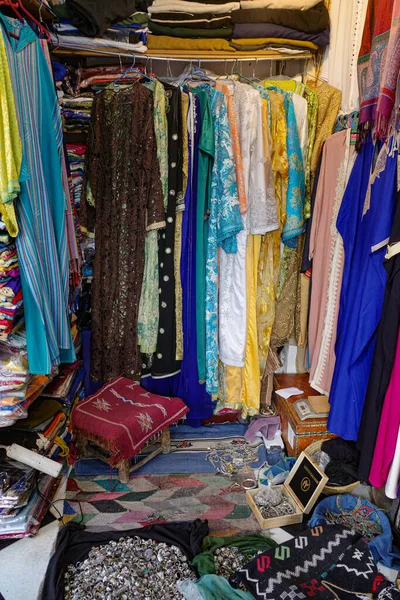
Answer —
164 360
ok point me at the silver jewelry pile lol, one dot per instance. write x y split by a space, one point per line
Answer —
229 458
130 569
229 560
272 503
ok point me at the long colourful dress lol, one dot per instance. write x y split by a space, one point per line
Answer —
364 222
224 224
42 240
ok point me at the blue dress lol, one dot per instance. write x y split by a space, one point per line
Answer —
364 222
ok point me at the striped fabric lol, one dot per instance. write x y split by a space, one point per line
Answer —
42 241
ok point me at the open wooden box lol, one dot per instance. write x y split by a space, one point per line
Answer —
303 488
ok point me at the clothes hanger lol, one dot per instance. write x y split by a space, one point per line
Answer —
199 75
16 6
132 69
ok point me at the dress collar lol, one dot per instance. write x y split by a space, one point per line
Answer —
22 30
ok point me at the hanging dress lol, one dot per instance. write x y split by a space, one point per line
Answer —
126 199
337 154
42 240
364 222
385 352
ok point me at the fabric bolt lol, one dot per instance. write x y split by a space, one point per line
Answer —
312 20
187 32
199 21
162 6
270 41
93 17
364 223
371 59
269 30
386 438
164 42
224 224
164 360
42 239
387 94
10 146
126 142
331 185
385 352
340 66
280 4
148 316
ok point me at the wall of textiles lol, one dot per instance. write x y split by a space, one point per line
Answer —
206 229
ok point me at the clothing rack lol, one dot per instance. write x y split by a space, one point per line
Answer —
207 57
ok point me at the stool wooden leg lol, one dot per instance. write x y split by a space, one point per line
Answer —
165 441
123 472
82 445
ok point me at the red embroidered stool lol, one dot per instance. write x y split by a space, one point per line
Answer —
121 418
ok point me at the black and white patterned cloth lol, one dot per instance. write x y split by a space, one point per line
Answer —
327 562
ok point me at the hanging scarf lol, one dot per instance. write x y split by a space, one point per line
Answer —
372 56
390 75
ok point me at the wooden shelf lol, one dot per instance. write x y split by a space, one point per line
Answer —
177 54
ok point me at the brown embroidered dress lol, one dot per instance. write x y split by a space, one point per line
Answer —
122 199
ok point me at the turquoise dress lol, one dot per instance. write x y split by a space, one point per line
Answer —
295 198
224 223
42 240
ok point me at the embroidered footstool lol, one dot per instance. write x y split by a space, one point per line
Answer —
121 418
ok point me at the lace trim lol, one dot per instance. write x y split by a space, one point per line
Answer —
379 168
335 269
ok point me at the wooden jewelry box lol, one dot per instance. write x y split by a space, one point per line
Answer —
303 487
298 434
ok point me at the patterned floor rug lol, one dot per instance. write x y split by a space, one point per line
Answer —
149 499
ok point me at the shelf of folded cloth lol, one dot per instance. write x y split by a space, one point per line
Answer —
14 402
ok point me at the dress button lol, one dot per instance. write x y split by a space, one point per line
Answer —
166 278
167 250
162 330
164 304
159 355
174 136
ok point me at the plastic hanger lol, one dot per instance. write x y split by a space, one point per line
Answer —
132 69
16 6
199 75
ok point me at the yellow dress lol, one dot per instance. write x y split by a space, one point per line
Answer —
10 146
269 259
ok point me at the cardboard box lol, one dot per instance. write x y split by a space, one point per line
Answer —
303 487
298 434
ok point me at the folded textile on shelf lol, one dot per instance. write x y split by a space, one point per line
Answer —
186 32
313 20
269 30
185 6
164 42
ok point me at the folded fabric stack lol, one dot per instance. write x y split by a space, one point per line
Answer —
11 313
117 24
76 160
287 25
25 495
21 389
190 20
76 116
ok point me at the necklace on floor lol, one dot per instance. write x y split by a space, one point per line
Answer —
229 458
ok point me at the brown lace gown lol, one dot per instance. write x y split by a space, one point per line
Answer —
122 198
